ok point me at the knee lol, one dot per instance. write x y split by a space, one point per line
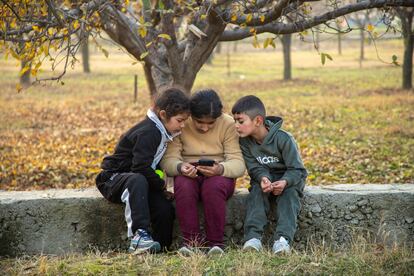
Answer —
136 180
291 193
184 185
214 189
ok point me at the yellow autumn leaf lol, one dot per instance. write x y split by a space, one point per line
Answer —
370 28
143 55
165 36
142 31
37 66
233 17
36 28
24 69
13 23
45 49
76 24
33 72
262 18
249 18
19 87
267 42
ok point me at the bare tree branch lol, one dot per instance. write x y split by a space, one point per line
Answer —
288 28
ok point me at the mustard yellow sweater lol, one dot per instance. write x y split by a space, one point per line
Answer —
221 143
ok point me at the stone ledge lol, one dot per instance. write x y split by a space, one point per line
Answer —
63 221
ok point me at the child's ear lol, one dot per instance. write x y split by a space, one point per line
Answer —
163 115
258 120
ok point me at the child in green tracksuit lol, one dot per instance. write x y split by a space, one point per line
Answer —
276 170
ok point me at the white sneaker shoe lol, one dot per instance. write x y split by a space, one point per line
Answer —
186 251
142 242
253 243
281 246
215 250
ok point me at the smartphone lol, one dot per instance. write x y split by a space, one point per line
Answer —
206 162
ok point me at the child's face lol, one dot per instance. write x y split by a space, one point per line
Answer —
176 123
244 125
204 124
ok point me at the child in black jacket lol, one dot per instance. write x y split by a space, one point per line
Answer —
131 174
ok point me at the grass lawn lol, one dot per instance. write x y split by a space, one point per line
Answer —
360 259
353 125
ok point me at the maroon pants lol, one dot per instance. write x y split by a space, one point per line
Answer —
213 192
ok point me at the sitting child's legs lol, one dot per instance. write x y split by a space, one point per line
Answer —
134 193
187 194
215 191
256 213
287 210
162 218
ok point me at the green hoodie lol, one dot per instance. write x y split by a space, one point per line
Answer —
277 158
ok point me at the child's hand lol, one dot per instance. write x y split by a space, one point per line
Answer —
216 169
188 170
278 187
266 185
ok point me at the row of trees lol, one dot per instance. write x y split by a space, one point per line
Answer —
172 38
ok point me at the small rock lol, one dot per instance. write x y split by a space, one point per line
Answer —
309 221
409 220
355 221
315 208
353 208
348 217
360 216
309 215
238 225
362 202
367 210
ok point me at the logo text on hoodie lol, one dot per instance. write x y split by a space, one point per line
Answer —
267 159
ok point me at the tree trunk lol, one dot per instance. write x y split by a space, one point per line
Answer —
362 46
25 78
287 63
218 48
407 68
235 46
85 55
339 43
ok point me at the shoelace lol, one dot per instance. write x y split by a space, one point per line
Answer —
143 235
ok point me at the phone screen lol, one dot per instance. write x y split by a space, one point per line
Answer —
206 162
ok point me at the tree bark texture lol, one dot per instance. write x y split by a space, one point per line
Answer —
85 55
25 78
287 63
406 17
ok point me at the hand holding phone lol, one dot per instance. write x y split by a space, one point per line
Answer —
206 162
188 169
208 167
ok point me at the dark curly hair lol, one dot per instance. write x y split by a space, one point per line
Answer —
206 103
174 101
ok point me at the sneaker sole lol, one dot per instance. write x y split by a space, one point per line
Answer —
186 253
155 248
282 252
251 249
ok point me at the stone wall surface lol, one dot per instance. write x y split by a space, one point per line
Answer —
64 221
